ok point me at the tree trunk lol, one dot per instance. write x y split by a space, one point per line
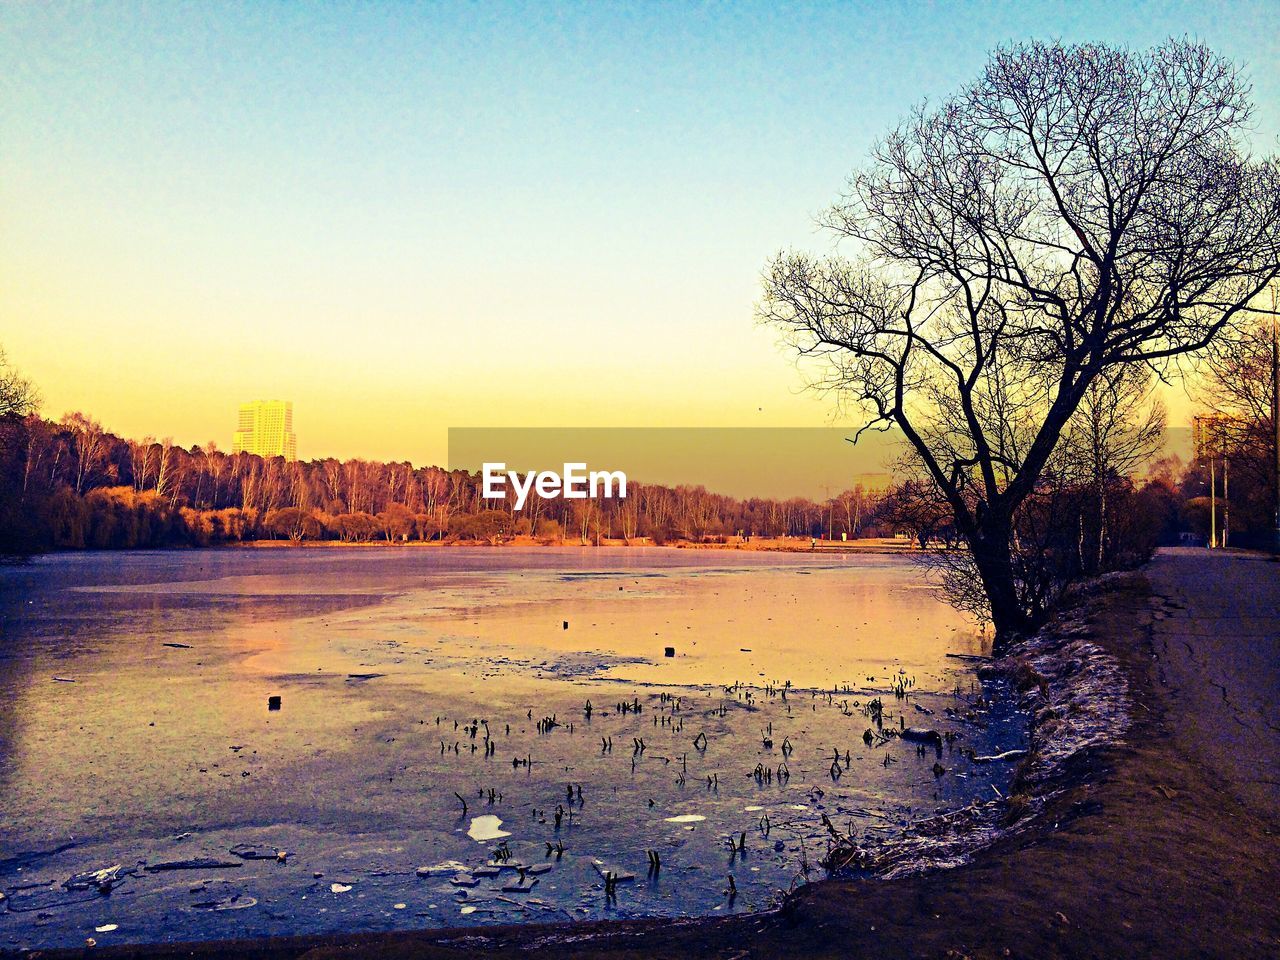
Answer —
993 557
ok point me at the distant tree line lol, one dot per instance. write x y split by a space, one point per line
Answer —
71 484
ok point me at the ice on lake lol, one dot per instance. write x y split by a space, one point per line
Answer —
164 748
486 828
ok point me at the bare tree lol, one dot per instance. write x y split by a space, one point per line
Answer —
852 504
1076 209
585 517
214 463
168 470
41 445
17 395
141 454
89 442
914 507
1117 429
1236 373
629 514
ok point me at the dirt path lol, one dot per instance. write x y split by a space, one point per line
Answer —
1165 847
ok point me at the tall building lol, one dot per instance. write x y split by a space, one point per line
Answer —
266 428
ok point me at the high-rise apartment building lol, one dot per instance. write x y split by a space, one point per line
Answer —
266 428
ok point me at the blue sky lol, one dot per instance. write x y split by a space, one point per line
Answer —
460 214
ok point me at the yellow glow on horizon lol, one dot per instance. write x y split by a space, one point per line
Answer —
147 358
383 376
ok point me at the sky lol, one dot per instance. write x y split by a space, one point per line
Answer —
410 217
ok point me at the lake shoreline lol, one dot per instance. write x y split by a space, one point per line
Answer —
1076 697
878 545
884 546
1073 877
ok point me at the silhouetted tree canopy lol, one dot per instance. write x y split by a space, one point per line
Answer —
1075 210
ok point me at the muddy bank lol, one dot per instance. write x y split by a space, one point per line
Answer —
1076 696
1138 847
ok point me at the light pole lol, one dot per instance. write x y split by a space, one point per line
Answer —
1226 500
1213 507
1275 407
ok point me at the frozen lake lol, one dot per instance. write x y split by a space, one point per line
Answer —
135 731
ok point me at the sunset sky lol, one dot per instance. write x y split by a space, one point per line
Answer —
410 217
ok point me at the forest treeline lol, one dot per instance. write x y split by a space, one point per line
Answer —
71 484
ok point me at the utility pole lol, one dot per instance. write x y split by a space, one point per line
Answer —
1226 500
831 507
1275 406
1213 506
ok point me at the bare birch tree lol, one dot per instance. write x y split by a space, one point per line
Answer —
141 453
89 443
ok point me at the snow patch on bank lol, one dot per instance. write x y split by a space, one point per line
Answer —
1077 698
